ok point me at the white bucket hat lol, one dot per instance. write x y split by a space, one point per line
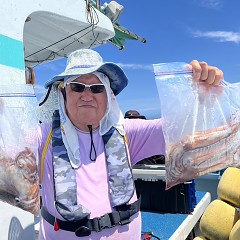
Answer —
86 61
80 62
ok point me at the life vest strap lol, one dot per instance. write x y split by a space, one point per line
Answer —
85 226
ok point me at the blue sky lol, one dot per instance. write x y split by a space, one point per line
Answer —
175 30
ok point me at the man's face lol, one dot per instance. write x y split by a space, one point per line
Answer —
85 108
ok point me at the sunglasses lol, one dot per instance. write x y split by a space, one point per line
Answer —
80 87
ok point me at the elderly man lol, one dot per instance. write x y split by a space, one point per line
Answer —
87 185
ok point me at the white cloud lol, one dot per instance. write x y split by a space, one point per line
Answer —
213 4
221 36
136 66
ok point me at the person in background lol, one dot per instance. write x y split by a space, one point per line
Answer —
87 150
133 114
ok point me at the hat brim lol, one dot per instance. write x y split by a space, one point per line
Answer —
118 79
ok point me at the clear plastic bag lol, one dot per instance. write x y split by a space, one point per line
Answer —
200 123
19 184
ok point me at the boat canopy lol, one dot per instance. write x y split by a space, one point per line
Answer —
38 32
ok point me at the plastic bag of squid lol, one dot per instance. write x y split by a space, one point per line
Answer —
19 184
200 123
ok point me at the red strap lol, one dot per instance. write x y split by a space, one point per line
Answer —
56 226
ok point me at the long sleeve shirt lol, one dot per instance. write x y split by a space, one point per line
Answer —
145 138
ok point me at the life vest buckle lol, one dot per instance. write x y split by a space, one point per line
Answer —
104 222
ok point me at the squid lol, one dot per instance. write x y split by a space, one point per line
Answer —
202 153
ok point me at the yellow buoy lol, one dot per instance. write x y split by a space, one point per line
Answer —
229 186
235 233
218 220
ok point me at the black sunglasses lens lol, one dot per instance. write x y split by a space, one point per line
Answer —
97 88
76 87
